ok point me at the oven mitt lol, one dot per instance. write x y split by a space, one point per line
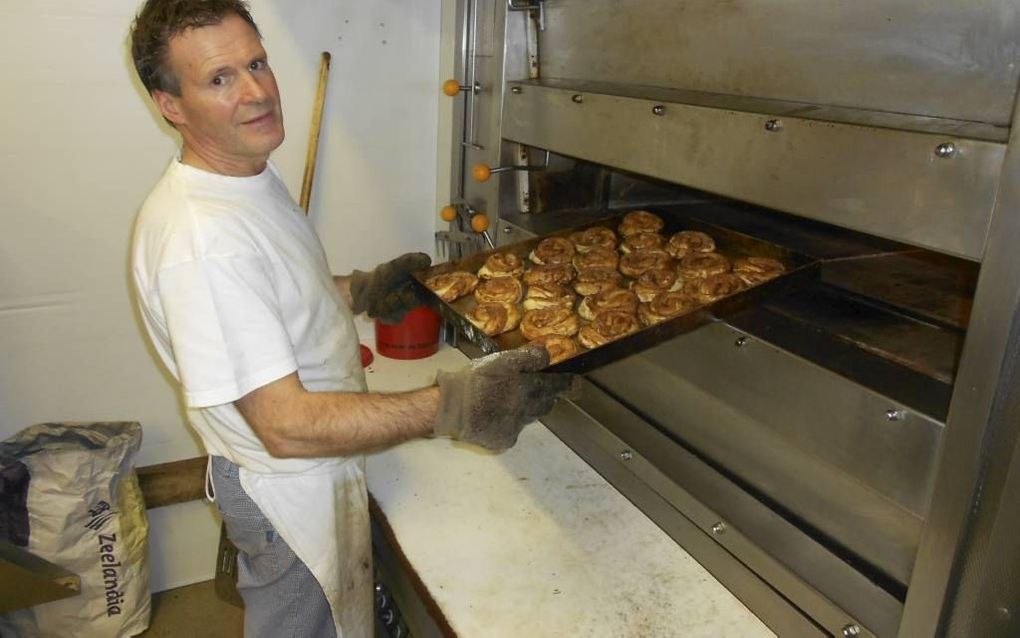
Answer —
386 292
490 401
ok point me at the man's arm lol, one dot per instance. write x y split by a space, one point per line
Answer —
343 284
292 422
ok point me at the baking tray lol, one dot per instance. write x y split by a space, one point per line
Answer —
730 243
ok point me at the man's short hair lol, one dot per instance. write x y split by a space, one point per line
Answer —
160 20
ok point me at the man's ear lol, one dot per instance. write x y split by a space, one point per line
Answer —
169 106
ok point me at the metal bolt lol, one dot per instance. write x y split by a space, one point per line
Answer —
719 528
851 630
508 229
892 414
773 125
658 109
626 455
516 90
577 98
945 150
740 342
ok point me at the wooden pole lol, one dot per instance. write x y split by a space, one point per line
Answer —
313 136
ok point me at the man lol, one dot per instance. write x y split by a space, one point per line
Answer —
240 305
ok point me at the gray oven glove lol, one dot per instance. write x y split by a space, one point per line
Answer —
491 400
387 292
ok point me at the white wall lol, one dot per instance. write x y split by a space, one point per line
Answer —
80 146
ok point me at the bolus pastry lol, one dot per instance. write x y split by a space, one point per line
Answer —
634 264
666 306
701 265
607 326
452 285
654 281
499 289
719 286
559 347
755 270
642 241
561 274
553 250
557 320
585 240
547 295
502 265
613 299
594 280
597 257
494 318
640 221
689 241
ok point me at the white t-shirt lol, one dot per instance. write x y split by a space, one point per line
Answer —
235 292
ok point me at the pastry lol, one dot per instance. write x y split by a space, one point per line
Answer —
633 264
502 289
558 320
594 280
640 221
691 286
689 241
546 295
755 270
666 306
452 285
607 326
597 257
719 286
559 347
585 240
561 274
494 318
641 241
502 265
701 265
654 281
613 299
553 250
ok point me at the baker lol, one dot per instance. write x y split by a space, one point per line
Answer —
240 305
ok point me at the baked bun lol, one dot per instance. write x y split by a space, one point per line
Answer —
666 306
607 326
641 241
553 250
755 270
594 280
452 285
501 289
585 240
633 264
559 347
654 281
640 221
597 257
502 265
547 295
701 265
689 241
558 320
614 299
561 274
494 318
719 286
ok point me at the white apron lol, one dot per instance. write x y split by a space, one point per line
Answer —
330 535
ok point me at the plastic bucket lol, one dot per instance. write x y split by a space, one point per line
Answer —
415 337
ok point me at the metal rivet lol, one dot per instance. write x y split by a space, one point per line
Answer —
851 630
945 150
577 98
892 414
773 125
626 455
658 109
719 528
508 229
516 90
740 342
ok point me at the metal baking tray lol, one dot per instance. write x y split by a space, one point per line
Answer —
730 243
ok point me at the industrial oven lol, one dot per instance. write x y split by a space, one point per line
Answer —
842 454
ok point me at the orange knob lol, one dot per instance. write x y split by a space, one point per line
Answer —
451 87
480 223
448 213
481 172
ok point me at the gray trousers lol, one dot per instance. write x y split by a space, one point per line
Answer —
282 599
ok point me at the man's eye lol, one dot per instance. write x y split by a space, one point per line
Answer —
257 65
218 80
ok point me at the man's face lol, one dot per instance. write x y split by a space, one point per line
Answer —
228 112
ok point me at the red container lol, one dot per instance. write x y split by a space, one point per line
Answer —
415 337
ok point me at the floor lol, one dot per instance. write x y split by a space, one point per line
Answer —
193 611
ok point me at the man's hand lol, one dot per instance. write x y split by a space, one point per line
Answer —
387 292
490 401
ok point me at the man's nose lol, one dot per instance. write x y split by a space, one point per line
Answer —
253 89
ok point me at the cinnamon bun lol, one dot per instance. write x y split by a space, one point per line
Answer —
755 270
689 241
641 241
559 347
494 318
607 326
615 299
719 286
501 265
501 289
594 280
597 257
585 240
558 320
561 274
452 285
547 295
654 281
666 306
701 265
640 221
553 250
633 264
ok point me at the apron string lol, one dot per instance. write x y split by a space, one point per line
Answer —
210 493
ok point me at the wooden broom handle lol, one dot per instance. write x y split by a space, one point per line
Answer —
313 135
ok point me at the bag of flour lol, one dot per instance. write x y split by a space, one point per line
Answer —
68 494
